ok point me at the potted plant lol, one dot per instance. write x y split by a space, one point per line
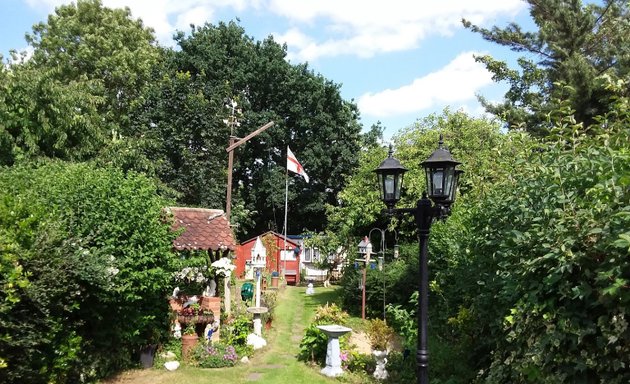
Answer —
189 339
274 279
379 334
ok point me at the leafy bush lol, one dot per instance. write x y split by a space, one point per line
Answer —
269 300
379 334
96 251
402 368
541 268
235 332
174 346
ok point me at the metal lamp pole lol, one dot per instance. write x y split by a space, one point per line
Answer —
382 257
365 249
442 180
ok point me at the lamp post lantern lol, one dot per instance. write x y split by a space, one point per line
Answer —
442 177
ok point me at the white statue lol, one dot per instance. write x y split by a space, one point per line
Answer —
175 292
177 330
309 289
211 289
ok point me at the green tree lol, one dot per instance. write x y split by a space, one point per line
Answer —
41 116
574 45
87 42
309 115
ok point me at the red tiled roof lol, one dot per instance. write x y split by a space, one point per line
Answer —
203 229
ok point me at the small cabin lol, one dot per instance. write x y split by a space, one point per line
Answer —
282 255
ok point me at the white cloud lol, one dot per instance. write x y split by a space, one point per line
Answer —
164 16
364 29
329 27
457 82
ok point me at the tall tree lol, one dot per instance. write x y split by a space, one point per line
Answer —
309 115
574 45
87 41
43 116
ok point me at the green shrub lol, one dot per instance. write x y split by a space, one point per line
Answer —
96 250
379 334
358 362
402 369
235 333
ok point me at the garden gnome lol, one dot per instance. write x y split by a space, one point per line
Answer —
211 328
309 289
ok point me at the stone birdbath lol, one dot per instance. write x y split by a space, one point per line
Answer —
255 339
333 353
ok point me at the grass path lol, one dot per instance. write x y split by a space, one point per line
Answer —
276 363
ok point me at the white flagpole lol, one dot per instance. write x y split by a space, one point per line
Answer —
286 205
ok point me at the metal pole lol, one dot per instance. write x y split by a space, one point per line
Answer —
228 199
383 265
286 210
424 216
363 296
423 309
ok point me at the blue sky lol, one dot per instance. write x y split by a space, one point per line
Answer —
399 60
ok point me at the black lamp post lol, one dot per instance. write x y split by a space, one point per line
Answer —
441 185
365 249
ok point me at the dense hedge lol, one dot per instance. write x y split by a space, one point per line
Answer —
89 259
529 276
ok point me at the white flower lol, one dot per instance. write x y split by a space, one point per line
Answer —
223 266
189 275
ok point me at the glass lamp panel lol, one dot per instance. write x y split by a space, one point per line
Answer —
449 174
437 181
381 187
389 187
398 188
454 186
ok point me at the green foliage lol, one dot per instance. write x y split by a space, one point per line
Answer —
235 333
402 368
269 299
379 334
97 255
405 321
42 116
542 279
574 44
85 42
172 345
358 362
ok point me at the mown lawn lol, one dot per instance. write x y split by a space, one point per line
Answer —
277 363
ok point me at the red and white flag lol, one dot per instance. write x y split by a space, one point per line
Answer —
294 166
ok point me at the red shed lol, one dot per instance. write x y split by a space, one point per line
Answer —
277 260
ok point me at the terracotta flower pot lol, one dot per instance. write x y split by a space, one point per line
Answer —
274 281
188 344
